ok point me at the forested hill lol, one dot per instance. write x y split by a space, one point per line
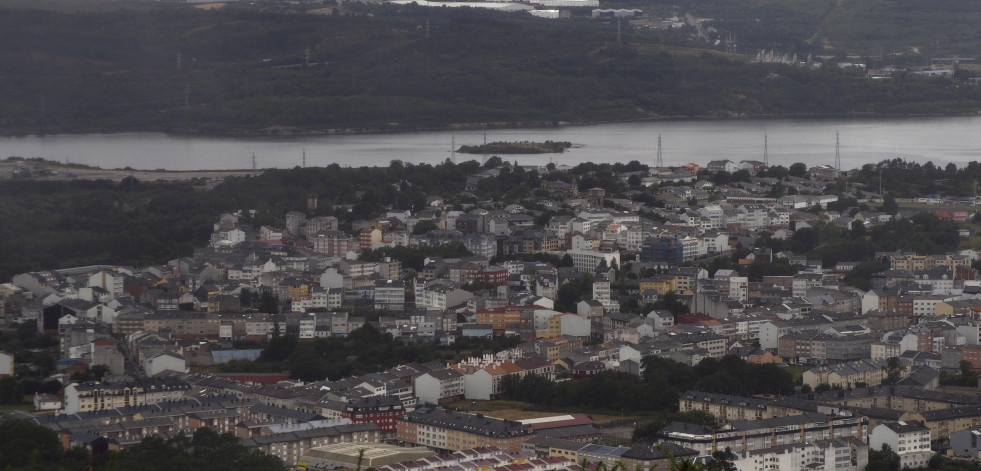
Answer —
238 70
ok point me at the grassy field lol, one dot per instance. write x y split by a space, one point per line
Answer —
24 406
797 371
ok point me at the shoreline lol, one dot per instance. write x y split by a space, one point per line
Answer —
48 170
274 132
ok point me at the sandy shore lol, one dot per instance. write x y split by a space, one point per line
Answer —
52 171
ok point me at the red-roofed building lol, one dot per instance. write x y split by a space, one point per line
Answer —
692 318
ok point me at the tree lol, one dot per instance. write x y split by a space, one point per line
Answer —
889 205
883 460
269 303
681 464
894 371
493 161
95 373
423 227
857 230
723 460
798 169
23 443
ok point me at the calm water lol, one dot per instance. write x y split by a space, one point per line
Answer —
940 140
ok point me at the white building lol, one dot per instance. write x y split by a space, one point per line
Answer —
166 361
910 440
6 364
588 260
439 386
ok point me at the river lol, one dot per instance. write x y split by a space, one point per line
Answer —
941 140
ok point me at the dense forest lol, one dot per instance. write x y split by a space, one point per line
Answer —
74 223
389 67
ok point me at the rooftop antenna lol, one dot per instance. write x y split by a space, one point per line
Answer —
837 155
766 151
660 158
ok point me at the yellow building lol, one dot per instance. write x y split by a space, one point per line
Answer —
661 284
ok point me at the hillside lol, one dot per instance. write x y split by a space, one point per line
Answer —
254 71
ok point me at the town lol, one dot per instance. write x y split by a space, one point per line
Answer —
733 316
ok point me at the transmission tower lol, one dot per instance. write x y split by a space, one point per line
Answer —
660 159
766 152
304 157
837 155
253 162
619 34
485 148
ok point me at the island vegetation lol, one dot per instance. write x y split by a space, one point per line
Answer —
522 147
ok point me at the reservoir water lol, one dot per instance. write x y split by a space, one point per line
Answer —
940 140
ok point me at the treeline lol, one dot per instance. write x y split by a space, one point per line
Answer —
61 224
396 67
663 383
920 233
365 350
901 178
27 446
56 224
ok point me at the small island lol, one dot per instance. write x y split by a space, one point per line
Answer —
523 147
